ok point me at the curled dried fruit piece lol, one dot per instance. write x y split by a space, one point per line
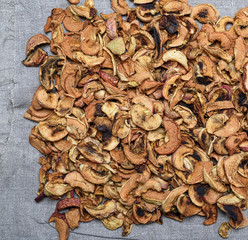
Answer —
234 141
187 115
239 52
221 126
102 211
75 179
205 13
245 77
89 43
218 52
36 58
56 189
68 203
91 150
47 71
174 141
47 100
74 1
211 214
140 214
61 226
186 207
172 197
37 115
237 218
135 157
217 186
231 164
95 176
154 197
39 144
143 117
87 11
119 6
223 230
197 192
174 55
117 46
112 222
73 217
179 157
65 105
177 6
35 41
52 132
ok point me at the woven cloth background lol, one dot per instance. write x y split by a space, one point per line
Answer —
20 217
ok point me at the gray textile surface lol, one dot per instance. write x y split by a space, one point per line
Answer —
20 217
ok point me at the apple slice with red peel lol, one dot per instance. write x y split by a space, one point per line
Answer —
244 146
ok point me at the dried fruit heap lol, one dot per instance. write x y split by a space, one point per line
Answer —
151 118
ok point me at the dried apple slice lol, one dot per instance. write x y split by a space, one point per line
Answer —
177 56
36 58
52 132
84 11
56 189
73 217
186 207
65 105
217 186
102 211
231 168
119 6
40 145
47 70
174 136
35 41
245 77
211 214
205 13
90 149
143 117
74 1
140 214
61 226
75 179
37 115
172 197
196 193
112 222
47 100
117 46
95 176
